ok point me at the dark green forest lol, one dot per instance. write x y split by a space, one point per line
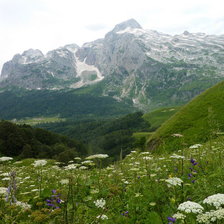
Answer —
108 136
20 103
23 141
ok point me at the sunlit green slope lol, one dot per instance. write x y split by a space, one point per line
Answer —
198 121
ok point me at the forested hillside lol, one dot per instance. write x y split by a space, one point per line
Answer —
23 141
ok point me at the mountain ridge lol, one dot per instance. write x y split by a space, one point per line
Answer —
145 66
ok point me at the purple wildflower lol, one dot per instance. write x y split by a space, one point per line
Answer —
125 213
55 200
193 162
171 220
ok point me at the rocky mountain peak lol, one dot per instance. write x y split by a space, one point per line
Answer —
28 56
131 23
33 53
186 33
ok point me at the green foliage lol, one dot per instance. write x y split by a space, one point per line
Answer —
61 103
25 142
135 190
198 121
109 136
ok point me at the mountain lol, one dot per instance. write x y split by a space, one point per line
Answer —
197 122
148 68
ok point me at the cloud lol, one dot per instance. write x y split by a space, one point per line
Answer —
48 24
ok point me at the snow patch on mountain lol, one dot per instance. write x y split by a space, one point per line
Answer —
89 74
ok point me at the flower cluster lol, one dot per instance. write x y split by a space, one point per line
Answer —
171 220
71 167
97 156
211 216
4 158
196 146
179 216
147 158
190 207
3 190
100 203
23 205
103 217
175 156
217 200
193 172
55 200
39 163
174 181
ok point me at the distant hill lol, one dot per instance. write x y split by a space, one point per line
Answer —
23 141
198 121
108 136
20 103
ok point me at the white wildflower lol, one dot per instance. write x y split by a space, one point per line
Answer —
152 204
77 158
3 190
216 200
134 169
138 195
174 181
103 217
40 163
147 158
4 158
196 146
190 207
125 182
6 178
177 135
211 216
83 168
88 162
5 174
24 205
70 167
145 153
100 203
153 175
55 167
97 156
175 156
64 181
179 215
94 191
18 162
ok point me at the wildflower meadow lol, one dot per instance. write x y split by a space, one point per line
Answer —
182 187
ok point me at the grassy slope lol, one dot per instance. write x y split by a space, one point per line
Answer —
198 121
155 119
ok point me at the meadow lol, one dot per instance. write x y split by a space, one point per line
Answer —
181 187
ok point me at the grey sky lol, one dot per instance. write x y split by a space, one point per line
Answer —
48 24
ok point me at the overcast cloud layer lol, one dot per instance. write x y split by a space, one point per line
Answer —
48 24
